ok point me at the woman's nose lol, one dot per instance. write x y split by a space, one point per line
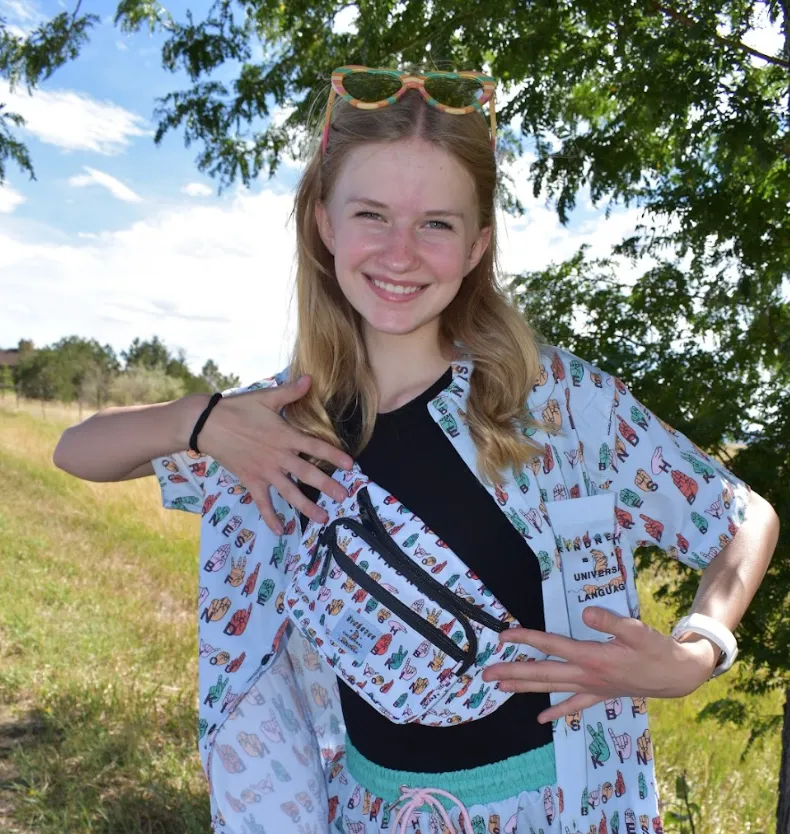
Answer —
400 250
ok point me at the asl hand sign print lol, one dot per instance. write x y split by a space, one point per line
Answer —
551 413
599 749
644 748
237 570
622 745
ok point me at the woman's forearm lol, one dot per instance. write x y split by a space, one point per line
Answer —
113 443
731 580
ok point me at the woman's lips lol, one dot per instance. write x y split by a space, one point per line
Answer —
393 296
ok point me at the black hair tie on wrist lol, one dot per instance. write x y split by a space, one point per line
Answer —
201 421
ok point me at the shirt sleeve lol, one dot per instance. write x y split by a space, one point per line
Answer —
668 492
182 475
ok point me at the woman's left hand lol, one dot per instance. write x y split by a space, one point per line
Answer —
639 661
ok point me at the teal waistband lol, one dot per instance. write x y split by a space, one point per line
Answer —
478 785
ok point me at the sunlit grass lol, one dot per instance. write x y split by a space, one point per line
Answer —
733 795
97 647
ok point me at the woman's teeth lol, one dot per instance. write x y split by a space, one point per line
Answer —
401 290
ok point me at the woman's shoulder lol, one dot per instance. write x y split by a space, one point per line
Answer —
572 364
579 381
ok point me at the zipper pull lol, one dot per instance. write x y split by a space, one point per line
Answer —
316 555
366 512
322 538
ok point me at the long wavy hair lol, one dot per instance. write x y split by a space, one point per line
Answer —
493 334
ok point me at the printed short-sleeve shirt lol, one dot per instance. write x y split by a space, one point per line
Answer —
670 493
615 477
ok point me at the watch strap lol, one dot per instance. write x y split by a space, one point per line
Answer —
716 632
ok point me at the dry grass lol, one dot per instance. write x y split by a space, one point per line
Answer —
97 636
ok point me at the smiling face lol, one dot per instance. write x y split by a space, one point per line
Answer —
402 217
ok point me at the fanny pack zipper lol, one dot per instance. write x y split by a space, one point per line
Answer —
434 635
373 532
453 602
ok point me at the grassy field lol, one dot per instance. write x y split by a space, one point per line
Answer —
97 665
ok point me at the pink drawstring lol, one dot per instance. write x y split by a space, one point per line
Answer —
417 797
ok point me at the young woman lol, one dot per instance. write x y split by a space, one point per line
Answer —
417 599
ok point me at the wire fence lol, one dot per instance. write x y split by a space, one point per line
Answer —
52 410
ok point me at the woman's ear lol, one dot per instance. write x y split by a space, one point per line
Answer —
324 226
478 248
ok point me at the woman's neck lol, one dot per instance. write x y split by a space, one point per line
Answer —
405 366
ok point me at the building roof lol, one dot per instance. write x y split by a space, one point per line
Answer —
9 357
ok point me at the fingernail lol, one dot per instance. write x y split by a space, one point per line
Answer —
279 530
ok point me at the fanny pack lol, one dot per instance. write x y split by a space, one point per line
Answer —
397 613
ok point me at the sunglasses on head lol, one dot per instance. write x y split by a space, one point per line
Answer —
457 93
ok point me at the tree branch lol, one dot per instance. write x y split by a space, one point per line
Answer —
786 27
687 21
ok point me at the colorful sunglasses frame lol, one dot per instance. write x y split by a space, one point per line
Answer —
411 81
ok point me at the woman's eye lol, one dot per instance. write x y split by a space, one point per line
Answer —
441 223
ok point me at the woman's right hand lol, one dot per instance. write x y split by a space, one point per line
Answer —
246 434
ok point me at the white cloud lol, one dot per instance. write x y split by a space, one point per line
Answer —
22 17
114 186
75 121
214 278
538 238
197 189
121 46
18 10
9 199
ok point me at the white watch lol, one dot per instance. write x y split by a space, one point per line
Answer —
716 632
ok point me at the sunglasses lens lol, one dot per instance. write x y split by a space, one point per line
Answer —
371 86
454 92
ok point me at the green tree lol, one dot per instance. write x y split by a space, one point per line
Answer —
62 370
39 375
154 354
87 369
140 384
30 60
216 381
177 368
150 353
6 380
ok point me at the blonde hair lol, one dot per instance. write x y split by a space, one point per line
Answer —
329 344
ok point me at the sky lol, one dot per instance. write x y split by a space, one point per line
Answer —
119 238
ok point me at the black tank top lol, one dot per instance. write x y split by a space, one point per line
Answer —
410 456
